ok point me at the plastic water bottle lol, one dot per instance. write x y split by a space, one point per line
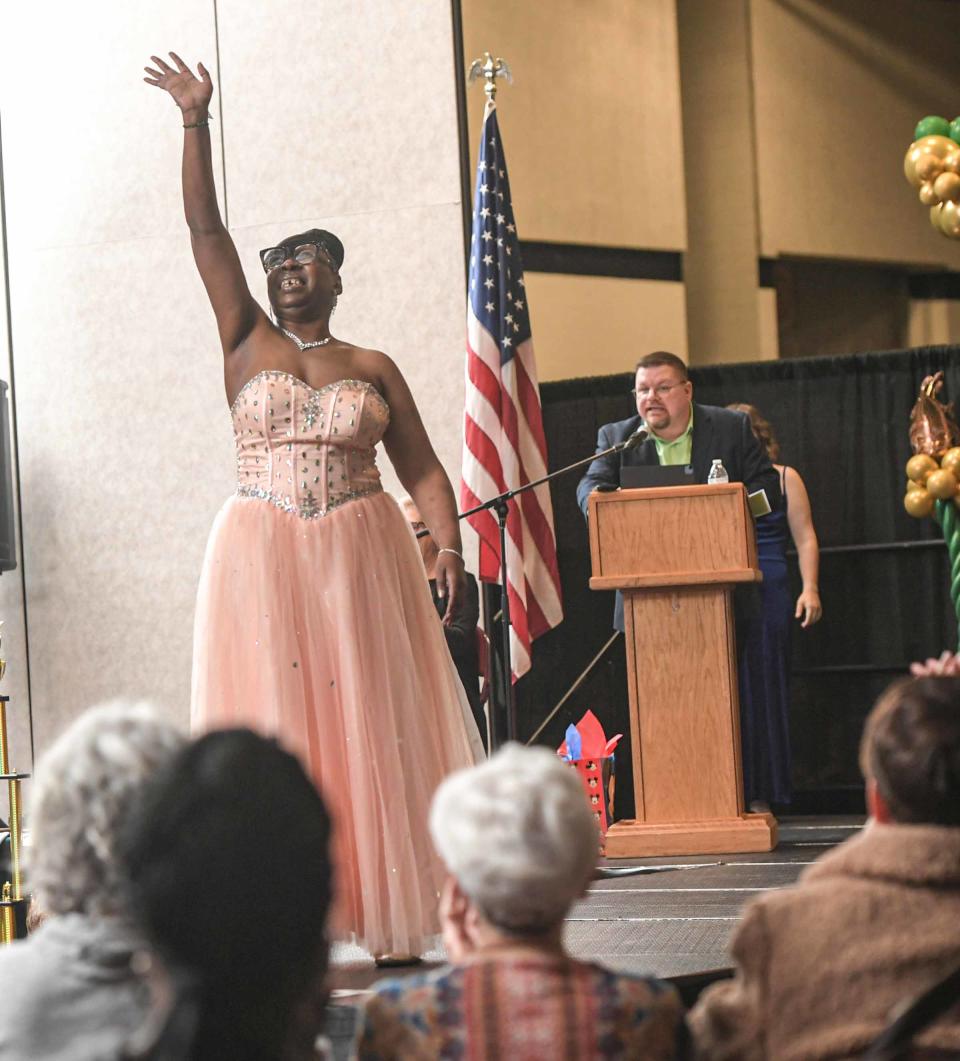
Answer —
718 474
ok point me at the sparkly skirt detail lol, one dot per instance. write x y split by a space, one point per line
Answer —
309 507
323 633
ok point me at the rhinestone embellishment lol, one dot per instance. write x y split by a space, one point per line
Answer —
310 508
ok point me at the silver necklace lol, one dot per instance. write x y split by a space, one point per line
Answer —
301 345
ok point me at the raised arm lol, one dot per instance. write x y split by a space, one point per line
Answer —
800 521
425 480
213 250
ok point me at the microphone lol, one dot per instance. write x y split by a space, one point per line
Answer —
639 436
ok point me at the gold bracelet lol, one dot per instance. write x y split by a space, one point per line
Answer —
445 549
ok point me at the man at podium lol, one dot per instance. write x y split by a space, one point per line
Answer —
679 432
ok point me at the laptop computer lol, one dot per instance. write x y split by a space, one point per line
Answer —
633 476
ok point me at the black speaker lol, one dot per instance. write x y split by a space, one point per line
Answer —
8 534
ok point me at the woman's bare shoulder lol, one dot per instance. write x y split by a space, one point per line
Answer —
374 364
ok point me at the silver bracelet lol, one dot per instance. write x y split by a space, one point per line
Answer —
458 555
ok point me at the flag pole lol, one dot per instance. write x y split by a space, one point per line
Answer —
490 68
503 423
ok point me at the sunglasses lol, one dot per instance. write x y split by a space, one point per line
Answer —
304 253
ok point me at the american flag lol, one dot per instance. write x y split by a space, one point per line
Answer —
504 445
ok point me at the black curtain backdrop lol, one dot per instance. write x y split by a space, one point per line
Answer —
842 423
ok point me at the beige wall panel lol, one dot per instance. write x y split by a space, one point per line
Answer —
125 457
933 321
89 149
768 344
599 325
720 266
90 175
404 296
336 109
592 124
839 87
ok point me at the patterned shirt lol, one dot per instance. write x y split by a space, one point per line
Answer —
523 1008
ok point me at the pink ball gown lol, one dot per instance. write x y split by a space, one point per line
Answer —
315 624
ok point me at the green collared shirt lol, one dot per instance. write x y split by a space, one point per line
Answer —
679 450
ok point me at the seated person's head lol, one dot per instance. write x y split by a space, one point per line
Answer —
910 753
518 840
230 878
83 790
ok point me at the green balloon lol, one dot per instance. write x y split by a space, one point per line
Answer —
932 126
955 130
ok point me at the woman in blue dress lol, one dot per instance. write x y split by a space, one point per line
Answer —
765 646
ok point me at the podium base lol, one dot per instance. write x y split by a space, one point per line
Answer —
718 836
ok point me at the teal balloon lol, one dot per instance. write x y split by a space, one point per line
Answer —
932 126
955 130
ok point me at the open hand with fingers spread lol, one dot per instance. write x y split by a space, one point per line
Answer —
190 93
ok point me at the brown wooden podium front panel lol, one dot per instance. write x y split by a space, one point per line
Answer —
672 530
685 726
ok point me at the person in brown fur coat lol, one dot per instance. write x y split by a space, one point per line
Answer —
821 966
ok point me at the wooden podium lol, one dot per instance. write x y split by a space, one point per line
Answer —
676 554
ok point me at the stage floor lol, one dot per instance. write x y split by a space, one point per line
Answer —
675 922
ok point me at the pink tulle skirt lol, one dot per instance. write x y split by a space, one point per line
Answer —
323 634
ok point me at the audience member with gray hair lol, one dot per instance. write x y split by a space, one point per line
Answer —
68 991
520 846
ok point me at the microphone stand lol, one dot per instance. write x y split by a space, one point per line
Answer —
501 506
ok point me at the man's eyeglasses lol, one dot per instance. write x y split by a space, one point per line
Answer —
273 257
659 391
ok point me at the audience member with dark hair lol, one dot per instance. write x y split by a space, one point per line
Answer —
520 846
230 877
822 966
68 992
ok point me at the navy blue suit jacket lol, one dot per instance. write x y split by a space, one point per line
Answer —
717 432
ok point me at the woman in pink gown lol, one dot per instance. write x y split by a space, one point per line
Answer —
314 621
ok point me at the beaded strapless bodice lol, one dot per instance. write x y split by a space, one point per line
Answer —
307 451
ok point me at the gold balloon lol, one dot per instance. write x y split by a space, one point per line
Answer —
918 503
949 219
928 167
920 466
940 147
910 163
951 461
911 485
946 186
928 191
951 163
942 484
935 216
